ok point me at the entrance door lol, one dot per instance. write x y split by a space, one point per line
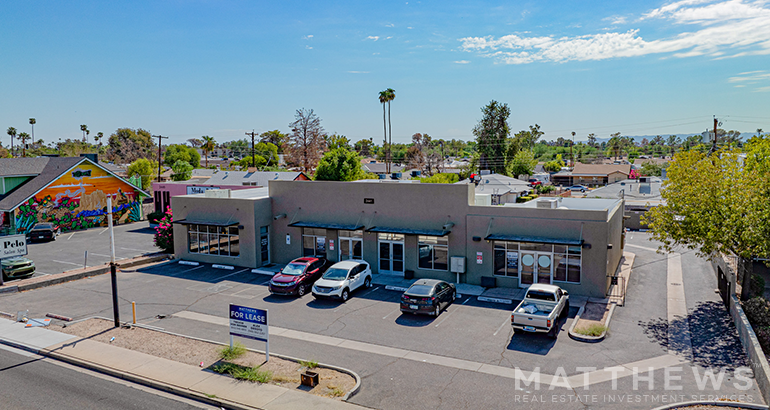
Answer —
535 268
391 256
264 245
351 248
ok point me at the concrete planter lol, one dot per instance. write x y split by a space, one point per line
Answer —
586 338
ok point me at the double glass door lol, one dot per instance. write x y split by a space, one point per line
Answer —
391 253
536 268
351 248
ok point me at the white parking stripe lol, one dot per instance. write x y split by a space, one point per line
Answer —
386 316
507 321
68 263
446 315
103 231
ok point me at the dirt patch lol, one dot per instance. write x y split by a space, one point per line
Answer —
286 373
593 314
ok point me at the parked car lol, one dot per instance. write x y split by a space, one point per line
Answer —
541 309
43 232
535 182
342 278
581 188
428 296
17 267
298 276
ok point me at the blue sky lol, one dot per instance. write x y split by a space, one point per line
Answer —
185 69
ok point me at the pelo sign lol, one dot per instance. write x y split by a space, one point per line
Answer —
15 245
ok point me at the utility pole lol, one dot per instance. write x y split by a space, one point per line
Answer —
113 266
159 137
253 159
714 144
571 155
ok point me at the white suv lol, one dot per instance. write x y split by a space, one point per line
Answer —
342 278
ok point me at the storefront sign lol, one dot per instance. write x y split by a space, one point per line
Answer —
288 239
13 245
199 189
248 322
479 258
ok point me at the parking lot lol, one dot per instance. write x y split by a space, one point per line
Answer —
465 357
69 249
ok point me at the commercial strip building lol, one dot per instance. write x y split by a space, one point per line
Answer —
592 174
405 229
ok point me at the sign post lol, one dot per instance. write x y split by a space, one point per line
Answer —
11 246
249 323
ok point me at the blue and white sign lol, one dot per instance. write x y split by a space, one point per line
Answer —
248 322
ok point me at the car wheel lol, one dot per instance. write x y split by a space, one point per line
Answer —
437 311
301 290
553 332
345 295
565 311
368 283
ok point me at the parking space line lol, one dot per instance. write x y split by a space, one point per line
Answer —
446 316
71 235
68 263
138 250
507 321
641 247
174 274
394 311
104 230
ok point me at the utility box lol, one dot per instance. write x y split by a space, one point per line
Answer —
457 264
217 193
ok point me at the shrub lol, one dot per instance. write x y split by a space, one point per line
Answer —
252 374
164 233
757 287
230 353
591 330
758 312
310 364
154 217
763 335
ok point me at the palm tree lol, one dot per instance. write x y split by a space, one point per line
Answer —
84 128
32 122
23 138
391 96
208 145
12 132
98 138
383 99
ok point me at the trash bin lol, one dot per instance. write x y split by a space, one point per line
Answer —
408 274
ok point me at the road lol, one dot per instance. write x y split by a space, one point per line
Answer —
463 359
33 382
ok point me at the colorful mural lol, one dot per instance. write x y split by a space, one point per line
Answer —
78 200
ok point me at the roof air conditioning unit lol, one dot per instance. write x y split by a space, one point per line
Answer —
547 203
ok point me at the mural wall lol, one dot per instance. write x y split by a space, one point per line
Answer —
78 200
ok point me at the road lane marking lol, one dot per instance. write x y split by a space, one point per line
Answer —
103 231
68 263
173 274
394 311
679 340
506 322
641 247
446 315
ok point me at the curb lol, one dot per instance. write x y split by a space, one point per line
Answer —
353 374
494 300
590 339
713 403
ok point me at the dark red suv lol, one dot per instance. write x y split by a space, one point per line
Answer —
298 276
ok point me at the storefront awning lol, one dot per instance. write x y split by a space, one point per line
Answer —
406 231
535 239
325 225
204 222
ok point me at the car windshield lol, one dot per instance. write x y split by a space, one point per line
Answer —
294 269
420 290
43 226
336 274
547 296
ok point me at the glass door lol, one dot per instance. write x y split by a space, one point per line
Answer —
391 256
544 268
527 275
351 248
264 245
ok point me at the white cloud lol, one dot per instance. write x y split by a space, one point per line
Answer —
308 47
752 78
728 29
615 20
307 37
390 25
409 28
375 38
388 37
462 62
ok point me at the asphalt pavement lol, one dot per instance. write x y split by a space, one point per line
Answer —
32 382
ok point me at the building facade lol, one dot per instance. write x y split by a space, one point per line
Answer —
408 229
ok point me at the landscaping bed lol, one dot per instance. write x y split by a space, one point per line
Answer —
592 321
242 363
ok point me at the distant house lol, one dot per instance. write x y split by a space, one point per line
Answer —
205 179
640 195
502 189
69 192
658 161
592 174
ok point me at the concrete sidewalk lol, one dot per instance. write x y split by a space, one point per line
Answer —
159 373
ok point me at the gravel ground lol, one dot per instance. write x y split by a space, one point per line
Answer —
286 373
594 313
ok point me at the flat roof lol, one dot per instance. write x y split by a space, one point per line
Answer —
632 190
583 204
253 193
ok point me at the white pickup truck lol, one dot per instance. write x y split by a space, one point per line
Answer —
541 309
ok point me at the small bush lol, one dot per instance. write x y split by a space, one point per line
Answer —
231 353
591 330
155 217
757 287
763 335
252 374
336 392
758 312
523 199
310 364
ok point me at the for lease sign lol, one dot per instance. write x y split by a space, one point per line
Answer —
248 322
13 245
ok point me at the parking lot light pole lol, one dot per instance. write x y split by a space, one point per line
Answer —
113 267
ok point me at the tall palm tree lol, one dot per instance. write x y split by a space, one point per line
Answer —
23 138
208 145
98 138
84 128
383 99
32 122
391 96
12 132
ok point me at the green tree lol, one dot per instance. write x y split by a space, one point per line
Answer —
365 147
339 164
555 165
523 163
126 145
181 152
615 145
491 133
717 204
12 133
98 138
182 170
650 168
246 162
146 169
276 138
439 179
337 141
23 138
208 145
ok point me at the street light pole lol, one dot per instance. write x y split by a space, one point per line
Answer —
113 267
159 137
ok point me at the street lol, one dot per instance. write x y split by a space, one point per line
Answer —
33 382
463 359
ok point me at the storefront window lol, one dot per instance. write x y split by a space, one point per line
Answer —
212 240
506 259
433 252
314 242
567 266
